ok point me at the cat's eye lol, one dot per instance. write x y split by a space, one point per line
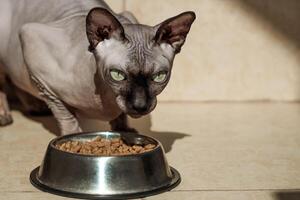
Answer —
159 77
117 75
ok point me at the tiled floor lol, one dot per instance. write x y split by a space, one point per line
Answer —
246 151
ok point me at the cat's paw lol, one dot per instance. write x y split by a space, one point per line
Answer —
6 119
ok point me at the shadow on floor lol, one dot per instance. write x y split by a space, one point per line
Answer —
143 125
282 15
166 138
48 122
288 195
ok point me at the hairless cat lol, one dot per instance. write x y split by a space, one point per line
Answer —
82 59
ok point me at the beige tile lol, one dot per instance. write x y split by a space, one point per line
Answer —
246 151
177 195
231 146
215 195
233 51
31 196
197 195
22 146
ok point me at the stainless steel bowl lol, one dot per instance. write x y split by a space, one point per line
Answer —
105 177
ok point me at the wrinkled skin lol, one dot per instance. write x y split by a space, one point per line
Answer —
81 58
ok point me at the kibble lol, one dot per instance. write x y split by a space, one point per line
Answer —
104 147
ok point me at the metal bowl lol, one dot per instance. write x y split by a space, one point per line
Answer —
105 177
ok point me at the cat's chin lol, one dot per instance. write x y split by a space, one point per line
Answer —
135 115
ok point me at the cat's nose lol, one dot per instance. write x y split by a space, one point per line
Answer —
140 105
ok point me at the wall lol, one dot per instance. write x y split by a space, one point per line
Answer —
236 50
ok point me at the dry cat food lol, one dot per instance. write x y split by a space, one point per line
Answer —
104 147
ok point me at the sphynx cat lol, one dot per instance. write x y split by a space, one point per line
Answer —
82 59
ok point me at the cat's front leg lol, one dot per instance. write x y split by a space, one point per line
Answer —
66 120
42 61
121 124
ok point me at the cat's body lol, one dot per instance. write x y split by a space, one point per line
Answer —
69 77
44 51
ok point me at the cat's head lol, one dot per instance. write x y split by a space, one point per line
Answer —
136 60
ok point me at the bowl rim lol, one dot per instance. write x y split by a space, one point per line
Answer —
51 144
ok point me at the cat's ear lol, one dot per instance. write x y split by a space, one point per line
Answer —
101 25
174 30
